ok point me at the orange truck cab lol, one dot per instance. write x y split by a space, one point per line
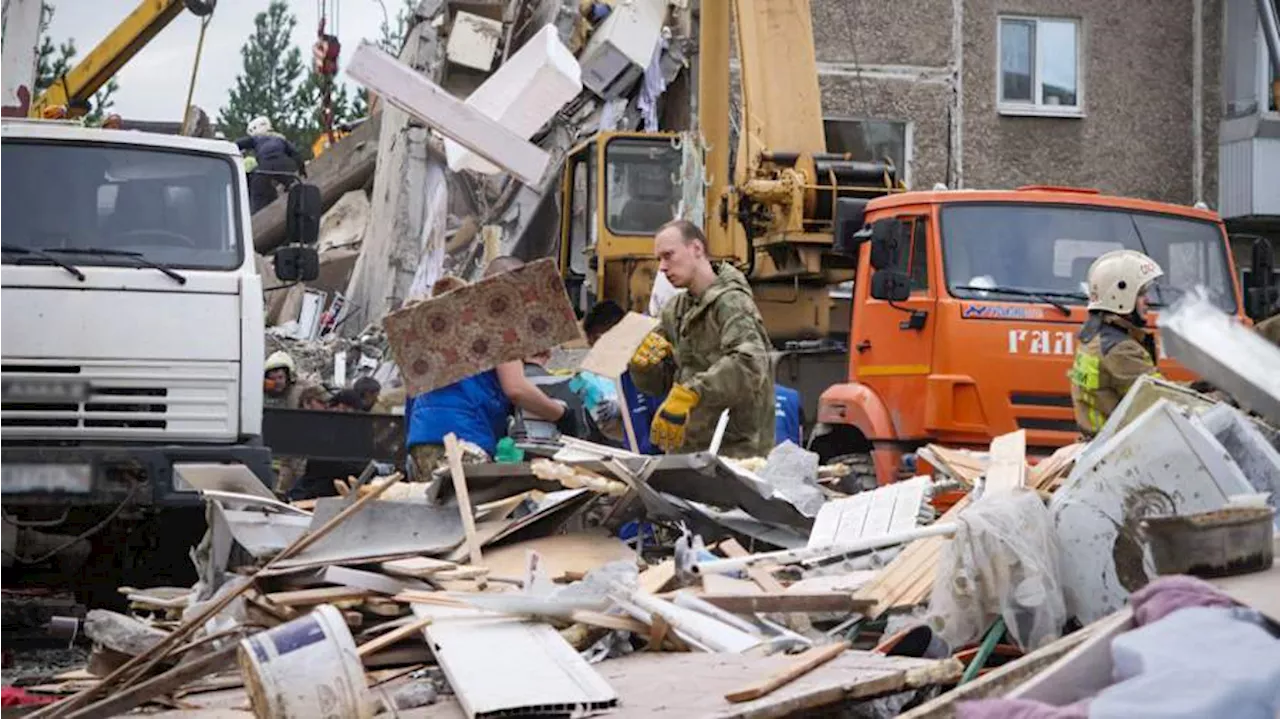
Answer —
967 304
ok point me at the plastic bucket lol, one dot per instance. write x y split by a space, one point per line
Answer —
305 668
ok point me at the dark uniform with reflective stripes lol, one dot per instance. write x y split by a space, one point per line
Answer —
1112 354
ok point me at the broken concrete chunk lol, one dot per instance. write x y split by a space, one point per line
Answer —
529 89
120 633
473 40
793 474
1162 463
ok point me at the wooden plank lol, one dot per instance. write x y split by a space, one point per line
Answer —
1049 473
1008 470
559 553
382 642
416 567
805 663
908 579
320 595
788 602
346 166
762 576
724 584
658 577
454 452
361 579
408 90
166 683
610 621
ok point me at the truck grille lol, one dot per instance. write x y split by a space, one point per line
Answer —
114 400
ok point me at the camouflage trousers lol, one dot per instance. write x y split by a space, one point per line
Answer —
428 458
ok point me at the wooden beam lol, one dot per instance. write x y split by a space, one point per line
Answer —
454 453
1008 468
322 595
346 166
407 89
166 683
807 662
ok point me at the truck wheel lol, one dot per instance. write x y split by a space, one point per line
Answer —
862 472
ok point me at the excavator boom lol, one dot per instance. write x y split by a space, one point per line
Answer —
76 87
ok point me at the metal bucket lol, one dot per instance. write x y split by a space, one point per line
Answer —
1224 542
306 668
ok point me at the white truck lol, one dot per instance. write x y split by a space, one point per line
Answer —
132 334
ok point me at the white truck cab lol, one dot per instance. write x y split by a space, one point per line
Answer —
132 318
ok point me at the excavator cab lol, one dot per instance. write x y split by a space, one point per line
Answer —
618 189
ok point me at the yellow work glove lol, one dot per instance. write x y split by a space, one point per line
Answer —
668 426
652 351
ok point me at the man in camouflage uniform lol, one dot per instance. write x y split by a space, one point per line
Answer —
282 390
1114 350
709 353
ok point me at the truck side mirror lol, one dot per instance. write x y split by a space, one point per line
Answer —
297 264
849 226
1261 294
302 214
887 242
890 285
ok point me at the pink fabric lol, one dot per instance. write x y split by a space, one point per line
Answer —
1019 709
1167 595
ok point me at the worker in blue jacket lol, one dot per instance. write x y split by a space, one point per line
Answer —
475 409
786 403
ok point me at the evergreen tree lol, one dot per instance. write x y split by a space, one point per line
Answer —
269 81
53 61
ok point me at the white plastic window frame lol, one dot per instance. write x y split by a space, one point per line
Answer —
1036 107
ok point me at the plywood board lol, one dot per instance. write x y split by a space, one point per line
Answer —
611 355
1008 470
560 553
475 328
410 91
893 508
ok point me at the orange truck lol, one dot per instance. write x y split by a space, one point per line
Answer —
966 307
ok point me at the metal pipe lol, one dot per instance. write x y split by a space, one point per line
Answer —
1270 31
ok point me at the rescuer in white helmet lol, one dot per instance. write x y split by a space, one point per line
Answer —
1114 348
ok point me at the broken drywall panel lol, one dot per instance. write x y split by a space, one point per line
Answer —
478 327
504 666
1223 351
523 94
1162 463
404 87
622 46
889 509
1142 396
343 225
473 40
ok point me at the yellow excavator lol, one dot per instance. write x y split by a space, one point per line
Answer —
69 95
773 213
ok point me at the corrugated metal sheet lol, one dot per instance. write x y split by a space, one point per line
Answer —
504 666
1235 178
1249 177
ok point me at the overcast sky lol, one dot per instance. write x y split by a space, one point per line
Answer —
153 86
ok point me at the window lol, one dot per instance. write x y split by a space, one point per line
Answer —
641 187
1039 67
914 261
872 140
1048 249
171 207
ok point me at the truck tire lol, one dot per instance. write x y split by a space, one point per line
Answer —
862 472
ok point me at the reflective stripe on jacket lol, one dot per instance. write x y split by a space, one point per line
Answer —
1111 355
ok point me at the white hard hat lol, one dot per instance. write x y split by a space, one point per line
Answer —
280 360
259 125
1117 278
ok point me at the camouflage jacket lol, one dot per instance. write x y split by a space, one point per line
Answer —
1112 354
1270 329
291 399
721 352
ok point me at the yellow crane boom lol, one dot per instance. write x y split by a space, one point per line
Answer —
76 87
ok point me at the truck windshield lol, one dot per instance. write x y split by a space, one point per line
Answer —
1049 248
123 203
